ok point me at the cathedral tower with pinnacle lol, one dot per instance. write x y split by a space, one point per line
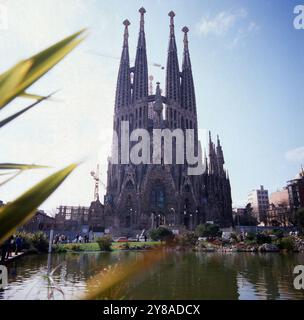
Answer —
145 196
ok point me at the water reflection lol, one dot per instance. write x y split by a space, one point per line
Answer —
183 275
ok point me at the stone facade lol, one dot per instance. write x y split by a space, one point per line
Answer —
40 222
78 218
144 196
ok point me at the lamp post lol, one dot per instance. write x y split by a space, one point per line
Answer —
174 216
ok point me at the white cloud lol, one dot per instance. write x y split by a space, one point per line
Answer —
243 33
221 23
295 155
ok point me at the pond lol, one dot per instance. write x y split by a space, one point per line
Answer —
182 275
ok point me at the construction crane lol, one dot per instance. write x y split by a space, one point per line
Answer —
152 64
95 175
97 178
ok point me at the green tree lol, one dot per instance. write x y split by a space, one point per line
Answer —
208 230
247 219
161 233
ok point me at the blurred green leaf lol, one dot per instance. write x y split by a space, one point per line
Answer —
18 166
23 208
15 81
13 176
10 83
31 96
7 173
19 113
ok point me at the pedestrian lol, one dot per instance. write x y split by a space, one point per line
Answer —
18 245
10 247
5 249
145 238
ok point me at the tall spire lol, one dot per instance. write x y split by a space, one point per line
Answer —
140 85
206 162
220 157
123 88
173 73
188 100
213 166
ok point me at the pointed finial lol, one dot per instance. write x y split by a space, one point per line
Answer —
218 140
185 30
171 14
126 23
142 12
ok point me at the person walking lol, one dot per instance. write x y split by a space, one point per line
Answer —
9 247
18 244
5 249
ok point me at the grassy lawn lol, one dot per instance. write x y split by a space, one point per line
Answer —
95 247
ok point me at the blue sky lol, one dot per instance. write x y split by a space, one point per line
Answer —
248 67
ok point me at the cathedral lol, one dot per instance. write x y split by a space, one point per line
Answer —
144 196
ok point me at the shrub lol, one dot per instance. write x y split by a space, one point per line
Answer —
75 247
161 233
287 244
40 242
263 238
105 243
278 233
59 248
34 242
208 230
125 246
250 236
187 239
234 237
